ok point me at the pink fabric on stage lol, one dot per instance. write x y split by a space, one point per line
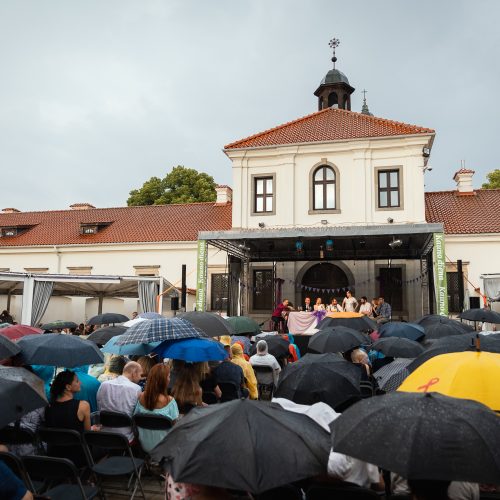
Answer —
300 322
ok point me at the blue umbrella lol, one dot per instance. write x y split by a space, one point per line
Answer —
410 331
150 315
129 349
192 350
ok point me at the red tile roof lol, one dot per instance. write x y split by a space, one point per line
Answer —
328 125
156 223
473 214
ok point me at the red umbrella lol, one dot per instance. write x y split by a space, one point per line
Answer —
16 332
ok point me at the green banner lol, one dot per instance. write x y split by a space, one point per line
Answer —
440 282
201 277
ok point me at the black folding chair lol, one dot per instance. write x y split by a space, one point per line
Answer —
229 391
152 422
62 472
14 435
110 466
114 419
265 382
14 463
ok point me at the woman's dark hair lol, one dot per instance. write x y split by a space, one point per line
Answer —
59 384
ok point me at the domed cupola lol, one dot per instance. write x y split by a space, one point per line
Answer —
334 90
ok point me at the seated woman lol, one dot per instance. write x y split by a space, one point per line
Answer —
147 363
187 390
319 306
156 401
66 412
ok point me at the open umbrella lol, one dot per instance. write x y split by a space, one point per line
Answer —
132 322
430 319
392 375
213 325
336 339
436 326
158 330
14 332
467 375
59 324
8 348
457 343
199 446
107 318
56 349
20 392
362 324
410 331
398 347
129 349
423 436
276 345
483 315
243 325
320 377
193 350
5 325
150 315
101 336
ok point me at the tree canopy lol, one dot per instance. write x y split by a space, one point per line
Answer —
493 180
181 185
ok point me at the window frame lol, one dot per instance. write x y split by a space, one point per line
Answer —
314 169
254 291
213 278
253 201
389 189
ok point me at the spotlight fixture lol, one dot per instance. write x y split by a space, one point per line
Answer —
299 247
324 222
426 152
390 220
395 243
262 224
329 245
321 252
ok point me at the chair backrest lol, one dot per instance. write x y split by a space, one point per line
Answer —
229 391
64 437
209 398
264 374
107 440
114 419
52 469
14 463
152 422
17 435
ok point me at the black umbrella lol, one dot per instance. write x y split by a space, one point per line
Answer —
457 343
212 324
438 330
8 348
250 451
336 339
107 318
320 377
276 345
431 319
423 436
101 336
362 324
410 331
484 315
398 347
56 349
20 392
59 325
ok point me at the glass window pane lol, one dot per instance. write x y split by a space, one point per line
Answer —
269 203
318 197
330 196
394 198
259 204
318 175
330 174
259 186
269 186
383 198
382 179
394 179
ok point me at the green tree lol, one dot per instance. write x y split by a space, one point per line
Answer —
181 185
493 180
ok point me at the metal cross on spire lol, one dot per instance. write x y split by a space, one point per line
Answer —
364 92
333 44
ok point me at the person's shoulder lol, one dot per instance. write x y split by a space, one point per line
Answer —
84 405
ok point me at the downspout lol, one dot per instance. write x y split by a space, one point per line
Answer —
58 253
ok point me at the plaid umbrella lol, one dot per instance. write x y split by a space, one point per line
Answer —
392 375
150 315
158 330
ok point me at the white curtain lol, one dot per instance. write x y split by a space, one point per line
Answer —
492 288
42 292
148 290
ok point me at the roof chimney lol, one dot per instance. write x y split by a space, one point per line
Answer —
463 178
224 194
10 211
81 206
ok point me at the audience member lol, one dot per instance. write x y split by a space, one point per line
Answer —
11 487
89 386
230 373
250 381
147 363
263 358
6 317
186 389
207 379
113 369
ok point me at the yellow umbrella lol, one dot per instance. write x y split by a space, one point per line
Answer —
467 375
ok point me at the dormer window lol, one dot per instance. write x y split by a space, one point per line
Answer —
89 228
9 231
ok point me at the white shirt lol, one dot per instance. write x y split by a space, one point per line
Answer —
352 470
349 304
365 308
121 395
267 360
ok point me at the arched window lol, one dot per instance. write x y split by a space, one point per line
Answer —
324 188
333 100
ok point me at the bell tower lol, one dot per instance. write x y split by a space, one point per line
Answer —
334 90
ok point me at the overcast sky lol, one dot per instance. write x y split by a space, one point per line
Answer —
97 96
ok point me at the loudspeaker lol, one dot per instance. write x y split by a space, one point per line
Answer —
174 303
474 302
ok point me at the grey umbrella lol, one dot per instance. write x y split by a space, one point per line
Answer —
483 315
59 325
213 325
398 347
430 319
20 392
103 335
8 348
336 339
56 349
107 318
423 436
250 452
392 375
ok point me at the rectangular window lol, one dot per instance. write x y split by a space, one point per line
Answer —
391 286
453 300
263 289
219 292
263 189
388 189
